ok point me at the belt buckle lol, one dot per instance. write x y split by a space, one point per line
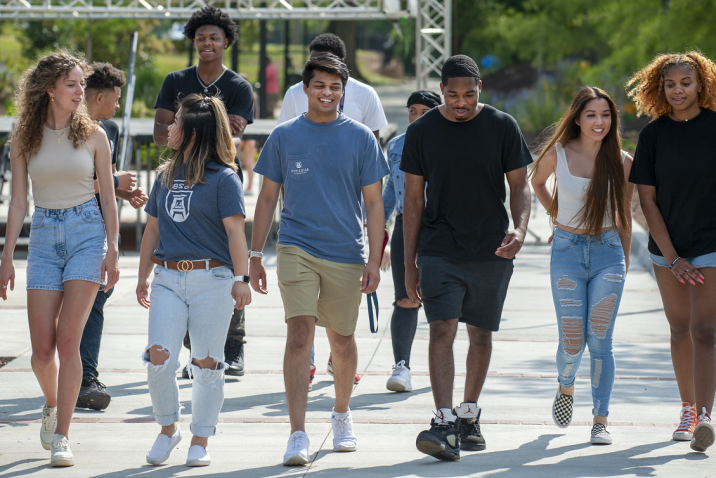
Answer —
185 266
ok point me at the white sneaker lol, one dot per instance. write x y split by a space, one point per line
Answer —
400 380
297 449
49 423
162 448
344 439
198 456
61 453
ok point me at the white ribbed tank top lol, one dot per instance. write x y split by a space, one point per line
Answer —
571 191
62 176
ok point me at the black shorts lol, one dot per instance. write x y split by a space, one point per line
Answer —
474 292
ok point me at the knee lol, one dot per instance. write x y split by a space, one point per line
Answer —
67 348
43 355
207 363
299 335
442 331
407 304
480 337
704 332
158 355
680 330
572 329
343 345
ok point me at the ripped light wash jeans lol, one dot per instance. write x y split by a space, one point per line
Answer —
587 283
200 301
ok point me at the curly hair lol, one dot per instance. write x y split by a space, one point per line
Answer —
211 16
328 43
32 103
104 77
646 86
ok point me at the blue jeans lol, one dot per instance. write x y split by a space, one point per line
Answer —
200 301
587 282
92 335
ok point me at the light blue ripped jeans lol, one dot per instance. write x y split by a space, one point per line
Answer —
587 282
200 301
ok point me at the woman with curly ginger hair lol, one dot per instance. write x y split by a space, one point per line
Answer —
675 172
55 141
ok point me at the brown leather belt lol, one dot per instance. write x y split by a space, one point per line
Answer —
186 266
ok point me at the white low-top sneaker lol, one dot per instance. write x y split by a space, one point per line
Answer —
297 449
400 380
162 448
61 452
49 423
344 439
198 456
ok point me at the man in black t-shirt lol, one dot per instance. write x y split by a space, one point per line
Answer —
463 150
102 92
211 31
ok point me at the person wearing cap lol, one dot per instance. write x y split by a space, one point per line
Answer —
405 312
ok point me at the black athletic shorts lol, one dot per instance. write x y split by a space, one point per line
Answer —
474 292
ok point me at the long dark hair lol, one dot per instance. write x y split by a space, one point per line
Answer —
204 120
607 185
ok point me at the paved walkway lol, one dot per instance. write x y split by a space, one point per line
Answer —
252 434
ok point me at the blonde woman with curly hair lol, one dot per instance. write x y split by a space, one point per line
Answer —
70 253
675 172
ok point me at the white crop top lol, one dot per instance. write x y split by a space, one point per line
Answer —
571 191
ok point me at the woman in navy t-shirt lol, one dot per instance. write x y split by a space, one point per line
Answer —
195 236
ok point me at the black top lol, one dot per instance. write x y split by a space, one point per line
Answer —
464 165
236 92
112 130
679 159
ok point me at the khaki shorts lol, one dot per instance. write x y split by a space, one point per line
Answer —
329 291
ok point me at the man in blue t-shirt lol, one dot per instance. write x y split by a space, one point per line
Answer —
324 161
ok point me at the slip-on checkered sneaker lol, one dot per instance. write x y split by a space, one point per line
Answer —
562 409
600 435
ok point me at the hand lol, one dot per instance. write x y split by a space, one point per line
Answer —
412 281
137 198
511 245
143 292
110 269
237 123
385 263
7 277
127 180
549 241
241 294
683 270
371 278
257 275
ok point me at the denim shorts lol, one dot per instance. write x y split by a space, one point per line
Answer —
66 244
706 260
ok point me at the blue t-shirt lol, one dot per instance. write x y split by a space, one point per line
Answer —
190 219
323 167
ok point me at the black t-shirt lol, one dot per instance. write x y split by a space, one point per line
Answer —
679 159
464 165
112 130
235 92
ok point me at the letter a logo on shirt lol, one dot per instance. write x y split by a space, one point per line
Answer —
178 201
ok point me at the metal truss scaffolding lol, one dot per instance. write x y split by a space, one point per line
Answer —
433 17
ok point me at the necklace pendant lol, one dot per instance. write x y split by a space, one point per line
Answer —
206 90
59 139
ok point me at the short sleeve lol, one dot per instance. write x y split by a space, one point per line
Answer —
410 160
516 154
642 169
374 167
242 100
374 116
151 207
167 95
269 162
230 196
288 108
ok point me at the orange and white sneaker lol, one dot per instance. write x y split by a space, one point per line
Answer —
704 434
685 431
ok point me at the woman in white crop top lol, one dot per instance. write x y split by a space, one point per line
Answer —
70 252
590 206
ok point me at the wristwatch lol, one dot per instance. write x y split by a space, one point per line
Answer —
244 279
255 254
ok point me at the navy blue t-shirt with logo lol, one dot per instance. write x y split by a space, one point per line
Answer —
190 219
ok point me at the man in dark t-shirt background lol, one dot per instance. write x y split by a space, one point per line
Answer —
102 92
464 150
211 31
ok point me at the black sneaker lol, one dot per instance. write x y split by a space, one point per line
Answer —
442 441
92 394
234 357
471 438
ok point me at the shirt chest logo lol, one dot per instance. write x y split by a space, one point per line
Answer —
178 201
